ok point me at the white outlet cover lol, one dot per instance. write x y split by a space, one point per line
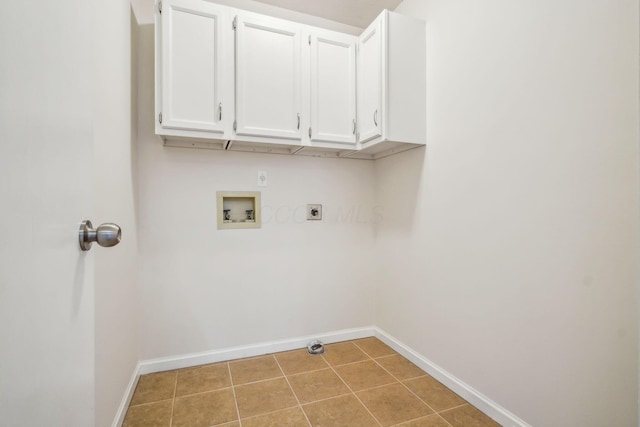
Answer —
314 212
262 179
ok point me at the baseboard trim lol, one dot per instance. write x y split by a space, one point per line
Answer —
195 359
471 395
126 399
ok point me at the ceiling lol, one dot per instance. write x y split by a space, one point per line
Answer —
357 13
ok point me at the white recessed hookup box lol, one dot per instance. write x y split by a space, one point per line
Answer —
239 209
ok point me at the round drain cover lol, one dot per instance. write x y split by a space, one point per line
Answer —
315 347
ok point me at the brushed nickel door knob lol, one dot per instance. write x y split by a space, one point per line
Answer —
106 235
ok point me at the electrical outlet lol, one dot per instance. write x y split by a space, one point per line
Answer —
314 212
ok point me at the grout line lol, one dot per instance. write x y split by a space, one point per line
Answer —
416 377
268 413
307 372
233 389
302 372
292 391
411 391
456 407
149 403
367 357
259 381
349 363
327 398
443 419
386 356
367 354
360 348
354 394
395 353
420 418
225 424
378 386
202 392
405 386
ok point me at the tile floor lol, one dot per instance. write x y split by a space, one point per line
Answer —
361 383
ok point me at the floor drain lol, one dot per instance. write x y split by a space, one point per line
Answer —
315 347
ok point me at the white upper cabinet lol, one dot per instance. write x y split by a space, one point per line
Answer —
370 86
235 80
391 85
190 74
333 88
268 77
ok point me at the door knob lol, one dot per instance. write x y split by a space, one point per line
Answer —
106 235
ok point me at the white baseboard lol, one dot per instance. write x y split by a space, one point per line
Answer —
471 395
126 399
195 359
467 392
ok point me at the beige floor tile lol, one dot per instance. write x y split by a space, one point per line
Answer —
468 416
434 393
292 417
264 397
393 404
157 414
205 409
363 375
201 379
317 385
433 420
374 347
204 396
400 367
298 361
343 411
343 352
155 387
254 369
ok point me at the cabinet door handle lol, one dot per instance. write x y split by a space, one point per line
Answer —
220 111
354 126
298 121
375 117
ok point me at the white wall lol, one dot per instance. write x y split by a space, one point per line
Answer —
205 289
116 274
513 260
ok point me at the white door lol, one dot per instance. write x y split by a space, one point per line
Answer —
46 187
268 77
191 71
370 84
333 88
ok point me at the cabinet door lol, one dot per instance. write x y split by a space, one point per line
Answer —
370 81
191 71
333 88
268 96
